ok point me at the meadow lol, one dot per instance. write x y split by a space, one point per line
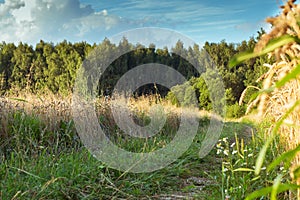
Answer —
42 156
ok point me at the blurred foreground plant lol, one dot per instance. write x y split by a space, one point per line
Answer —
280 96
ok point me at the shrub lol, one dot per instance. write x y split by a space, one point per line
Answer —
235 111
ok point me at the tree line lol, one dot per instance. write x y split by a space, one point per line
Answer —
52 67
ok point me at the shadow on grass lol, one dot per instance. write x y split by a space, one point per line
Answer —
42 161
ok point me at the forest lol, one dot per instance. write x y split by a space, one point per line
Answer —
49 67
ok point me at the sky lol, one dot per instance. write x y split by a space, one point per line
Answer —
92 20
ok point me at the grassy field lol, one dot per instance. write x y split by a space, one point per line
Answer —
42 157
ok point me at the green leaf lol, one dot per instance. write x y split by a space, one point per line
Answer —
271 46
296 173
292 75
18 99
267 190
278 42
275 186
261 156
239 58
256 94
259 193
287 157
243 170
255 178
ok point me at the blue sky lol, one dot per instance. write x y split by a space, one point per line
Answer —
92 20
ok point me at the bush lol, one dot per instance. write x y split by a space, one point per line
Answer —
235 111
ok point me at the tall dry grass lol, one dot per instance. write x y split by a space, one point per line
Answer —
54 110
277 103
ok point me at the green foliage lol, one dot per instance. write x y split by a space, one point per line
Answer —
207 90
177 94
45 67
235 111
184 93
204 95
25 132
272 45
235 80
22 59
28 135
54 67
6 64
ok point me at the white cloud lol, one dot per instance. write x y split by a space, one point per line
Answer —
95 22
52 20
23 13
55 20
8 23
9 5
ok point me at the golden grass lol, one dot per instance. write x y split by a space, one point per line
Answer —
53 109
278 102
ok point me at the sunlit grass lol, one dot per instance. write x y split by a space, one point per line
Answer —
44 159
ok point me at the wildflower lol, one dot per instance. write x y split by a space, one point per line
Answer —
234 152
226 152
281 168
225 139
225 169
250 155
232 145
218 151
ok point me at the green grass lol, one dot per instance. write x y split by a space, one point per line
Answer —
38 163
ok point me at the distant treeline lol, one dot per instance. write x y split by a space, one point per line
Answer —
52 67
